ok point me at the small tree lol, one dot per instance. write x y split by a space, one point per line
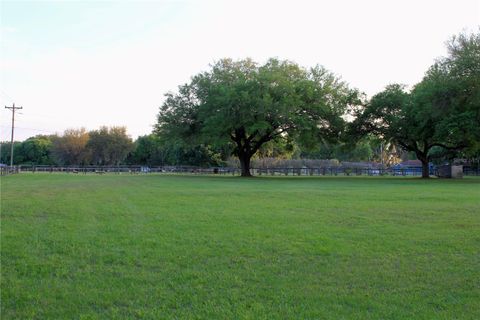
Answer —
109 146
37 150
147 150
70 148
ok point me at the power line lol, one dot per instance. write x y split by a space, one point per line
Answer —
5 95
13 108
37 115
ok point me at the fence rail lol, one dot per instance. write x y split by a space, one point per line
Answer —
5 170
287 171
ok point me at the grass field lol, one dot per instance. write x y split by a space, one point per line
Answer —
204 247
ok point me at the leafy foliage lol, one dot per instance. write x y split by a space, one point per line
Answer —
109 146
36 150
5 152
71 148
245 105
442 111
153 151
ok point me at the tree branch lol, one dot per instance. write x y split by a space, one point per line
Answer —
459 147
265 138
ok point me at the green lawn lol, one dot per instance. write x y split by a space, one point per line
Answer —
204 247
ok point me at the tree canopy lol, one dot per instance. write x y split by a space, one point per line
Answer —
71 148
245 105
442 111
109 146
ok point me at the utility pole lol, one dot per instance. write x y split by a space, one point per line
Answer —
13 129
381 152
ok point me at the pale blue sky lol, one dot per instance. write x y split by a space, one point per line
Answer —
84 24
91 63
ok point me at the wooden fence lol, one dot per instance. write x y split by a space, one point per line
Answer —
5 170
322 171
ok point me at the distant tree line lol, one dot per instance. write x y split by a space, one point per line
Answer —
105 146
112 146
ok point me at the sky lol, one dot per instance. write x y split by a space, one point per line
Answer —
73 64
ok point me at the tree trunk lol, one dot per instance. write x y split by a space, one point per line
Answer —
423 157
425 169
245 165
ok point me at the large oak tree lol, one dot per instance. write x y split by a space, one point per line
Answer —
246 105
442 111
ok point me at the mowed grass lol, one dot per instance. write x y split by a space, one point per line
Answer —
205 247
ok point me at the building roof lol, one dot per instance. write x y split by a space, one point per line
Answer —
411 163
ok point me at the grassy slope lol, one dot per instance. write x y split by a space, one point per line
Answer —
222 247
